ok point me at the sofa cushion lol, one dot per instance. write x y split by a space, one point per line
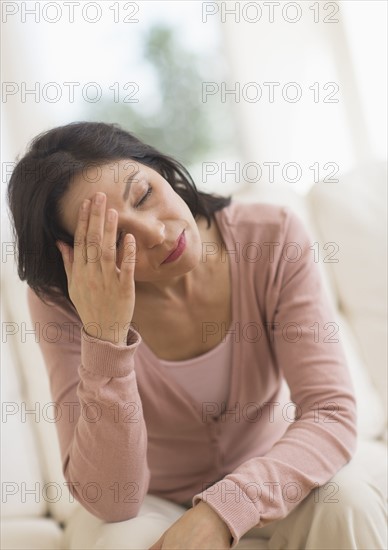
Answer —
34 534
32 371
370 410
22 484
353 213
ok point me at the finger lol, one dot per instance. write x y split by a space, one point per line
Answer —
128 262
108 254
80 232
95 232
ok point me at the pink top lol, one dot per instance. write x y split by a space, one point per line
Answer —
129 427
205 378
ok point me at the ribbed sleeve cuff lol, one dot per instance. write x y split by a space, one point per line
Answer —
106 359
233 506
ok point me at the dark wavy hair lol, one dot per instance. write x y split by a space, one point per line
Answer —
44 174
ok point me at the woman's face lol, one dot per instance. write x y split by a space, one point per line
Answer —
148 208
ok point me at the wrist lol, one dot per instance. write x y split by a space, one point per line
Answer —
216 519
117 340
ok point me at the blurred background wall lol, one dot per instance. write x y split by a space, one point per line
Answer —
242 93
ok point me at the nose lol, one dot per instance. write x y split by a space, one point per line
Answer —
150 233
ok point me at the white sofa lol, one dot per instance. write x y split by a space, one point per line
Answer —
37 509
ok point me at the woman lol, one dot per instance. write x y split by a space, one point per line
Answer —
191 351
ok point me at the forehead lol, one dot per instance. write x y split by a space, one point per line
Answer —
95 177
109 178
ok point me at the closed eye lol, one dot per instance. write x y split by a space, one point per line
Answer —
149 191
147 194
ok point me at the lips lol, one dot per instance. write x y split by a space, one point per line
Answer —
177 250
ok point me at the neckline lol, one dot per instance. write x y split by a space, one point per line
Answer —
198 358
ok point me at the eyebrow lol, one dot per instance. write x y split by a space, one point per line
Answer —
128 182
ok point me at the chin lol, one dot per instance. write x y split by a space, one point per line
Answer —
188 264
196 254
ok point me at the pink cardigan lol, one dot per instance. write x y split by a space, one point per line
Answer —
127 428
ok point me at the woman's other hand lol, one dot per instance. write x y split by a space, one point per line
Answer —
103 294
199 528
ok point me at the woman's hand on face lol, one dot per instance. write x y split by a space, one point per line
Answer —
103 294
199 528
